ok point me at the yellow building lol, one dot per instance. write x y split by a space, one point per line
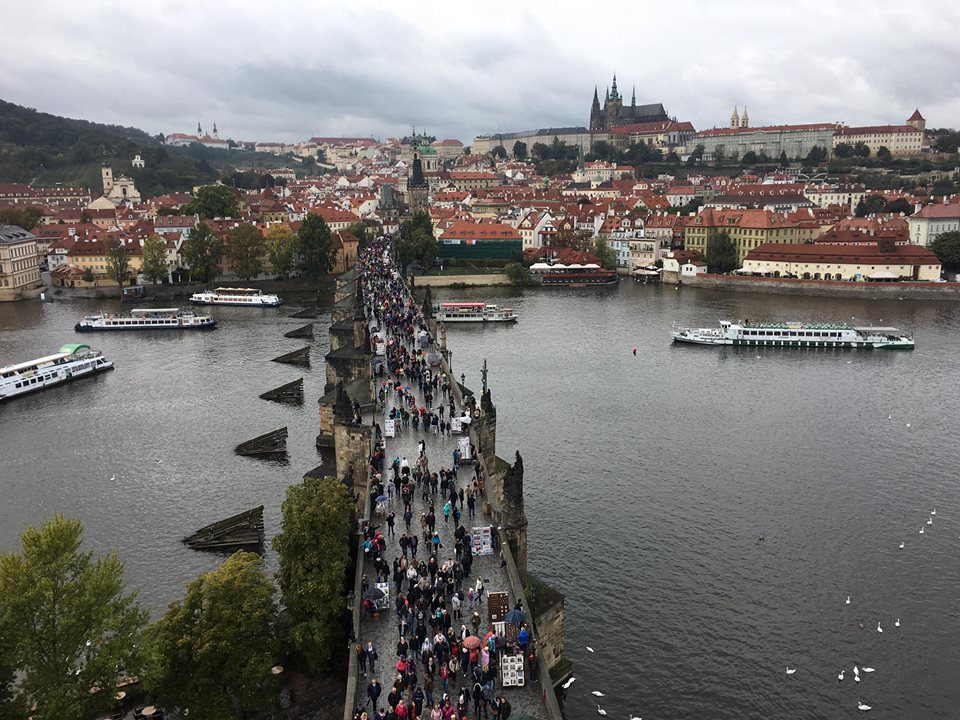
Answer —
94 255
900 140
748 229
19 264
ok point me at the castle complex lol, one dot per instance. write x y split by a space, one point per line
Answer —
615 114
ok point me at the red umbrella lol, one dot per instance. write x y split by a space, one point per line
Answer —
472 643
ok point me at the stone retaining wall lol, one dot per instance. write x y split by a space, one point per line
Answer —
448 280
834 288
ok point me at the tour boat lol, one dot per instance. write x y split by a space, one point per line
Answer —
147 319
574 275
235 296
72 362
795 334
473 312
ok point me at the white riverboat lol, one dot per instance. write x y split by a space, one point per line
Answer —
147 319
249 297
72 362
473 312
795 334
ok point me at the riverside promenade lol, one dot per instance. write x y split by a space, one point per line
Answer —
384 628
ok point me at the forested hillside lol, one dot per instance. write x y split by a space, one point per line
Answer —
47 149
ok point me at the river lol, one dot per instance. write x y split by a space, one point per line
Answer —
706 511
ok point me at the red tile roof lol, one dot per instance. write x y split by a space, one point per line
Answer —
843 254
916 116
768 128
876 130
464 230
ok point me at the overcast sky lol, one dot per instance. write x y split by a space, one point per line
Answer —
286 70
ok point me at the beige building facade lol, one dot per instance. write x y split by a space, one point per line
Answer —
19 264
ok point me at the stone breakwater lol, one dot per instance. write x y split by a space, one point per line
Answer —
347 449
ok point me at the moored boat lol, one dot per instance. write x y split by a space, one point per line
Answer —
147 319
249 297
72 362
575 274
796 334
473 312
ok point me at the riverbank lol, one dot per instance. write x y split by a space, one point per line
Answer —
185 290
829 288
490 279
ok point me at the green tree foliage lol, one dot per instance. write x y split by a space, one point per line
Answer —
749 158
154 261
696 156
520 150
719 155
884 154
517 273
12 706
213 201
68 621
540 152
314 552
416 242
282 248
316 249
816 156
245 250
870 205
212 652
900 205
202 252
861 150
607 255
721 253
784 161
947 248
118 263
945 141
361 232
87 275
499 152
843 150
26 218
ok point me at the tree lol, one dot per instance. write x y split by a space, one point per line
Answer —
202 252
12 706
68 620
316 248
607 255
540 152
26 218
118 264
282 247
883 154
749 158
696 156
861 149
154 261
721 252
947 248
784 161
245 250
719 154
499 152
520 150
416 241
88 276
517 273
900 205
313 548
360 232
816 155
870 205
843 150
213 201
212 652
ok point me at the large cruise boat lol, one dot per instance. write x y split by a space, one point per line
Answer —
235 296
574 275
795 334
147 319
72 362
473 312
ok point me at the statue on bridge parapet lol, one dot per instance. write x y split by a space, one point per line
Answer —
513 485
486 405
427 306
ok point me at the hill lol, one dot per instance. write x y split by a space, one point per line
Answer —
47 149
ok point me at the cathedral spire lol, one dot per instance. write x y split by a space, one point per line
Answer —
606 97
734 118
613 91
633 97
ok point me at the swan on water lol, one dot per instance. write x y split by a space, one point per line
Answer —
790 670
901 546
840 676
597 693
861 706
897 623
848 600
868 669
568 683
879 629
601 711
589 649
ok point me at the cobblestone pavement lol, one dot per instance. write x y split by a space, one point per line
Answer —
526 700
